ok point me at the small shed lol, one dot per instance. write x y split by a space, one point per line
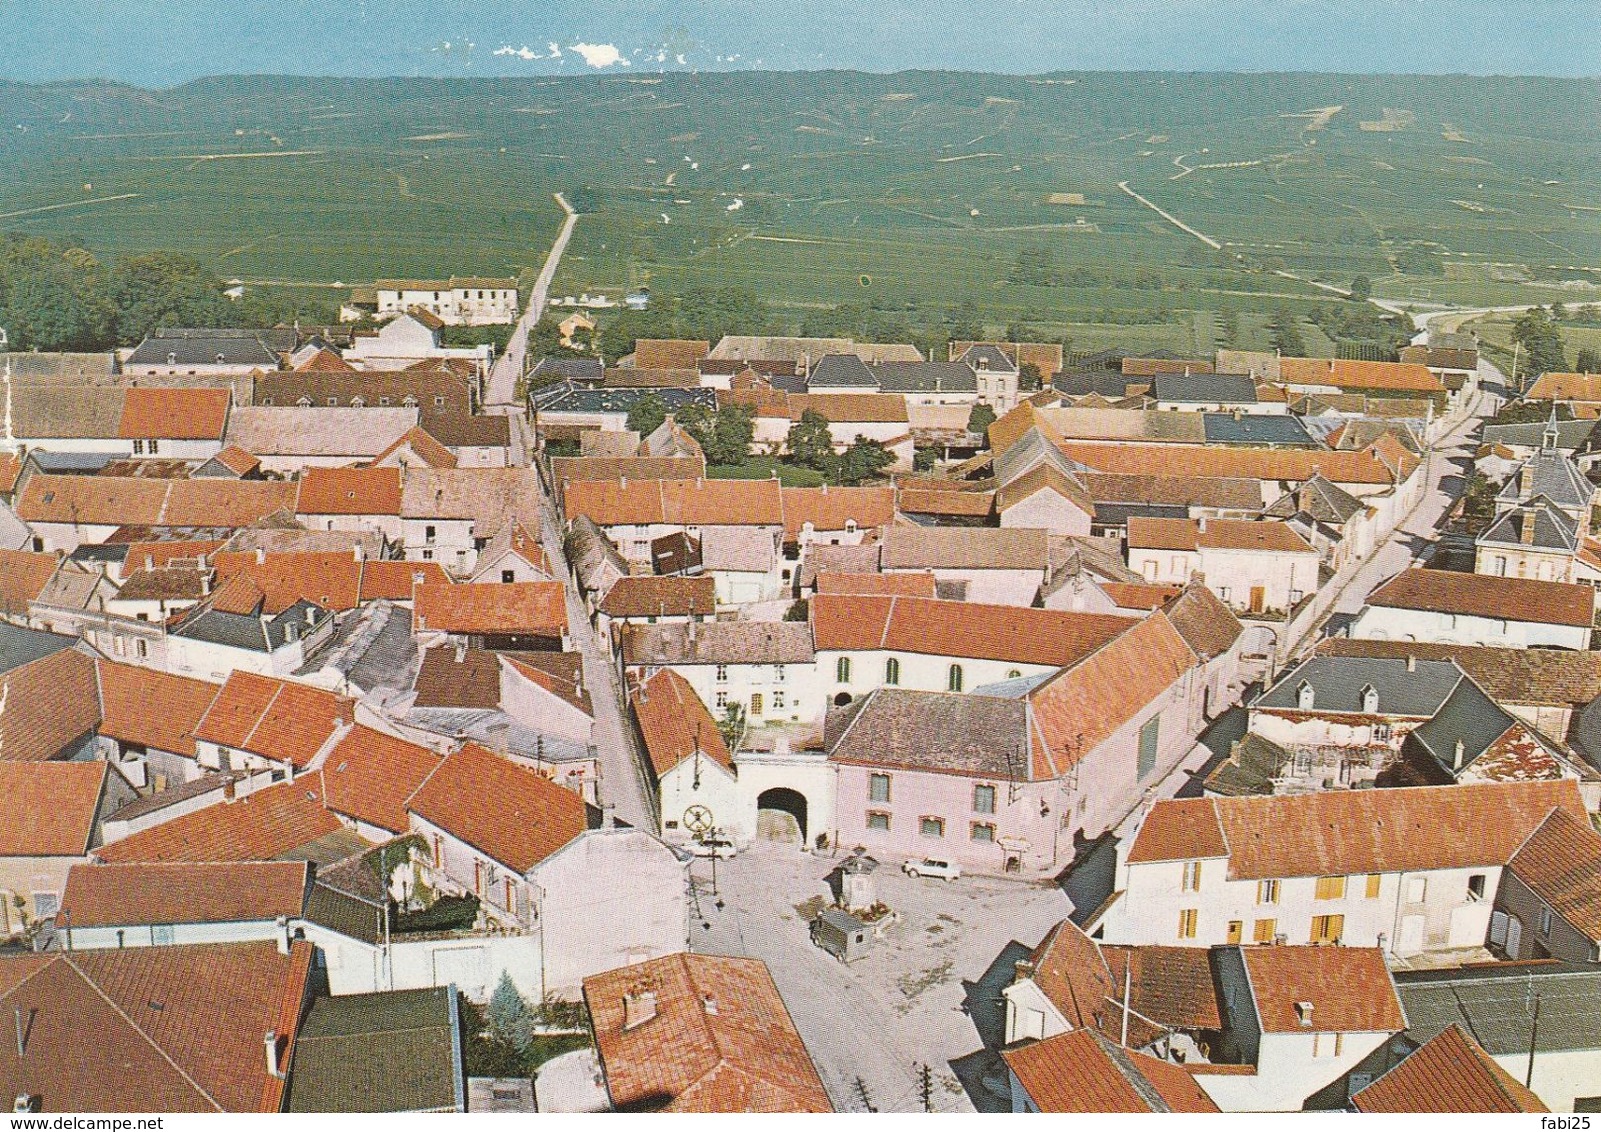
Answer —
840 934
858 891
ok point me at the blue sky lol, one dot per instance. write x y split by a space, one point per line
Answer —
163 42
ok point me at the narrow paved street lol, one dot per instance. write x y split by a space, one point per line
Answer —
508 367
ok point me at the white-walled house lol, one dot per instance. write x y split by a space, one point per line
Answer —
1476 609
162 903
173 424
1253 566
457 301
1002 566
697 786
765 667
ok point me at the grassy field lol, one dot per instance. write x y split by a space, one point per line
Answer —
1495 332
912 192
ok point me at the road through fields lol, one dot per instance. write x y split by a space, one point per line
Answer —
509 366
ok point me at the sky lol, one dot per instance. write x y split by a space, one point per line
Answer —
166 42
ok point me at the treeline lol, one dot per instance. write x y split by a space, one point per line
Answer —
59 297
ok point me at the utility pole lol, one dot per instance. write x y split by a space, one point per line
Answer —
925 1086
864 1097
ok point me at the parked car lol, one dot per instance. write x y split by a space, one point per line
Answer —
929 867
717 847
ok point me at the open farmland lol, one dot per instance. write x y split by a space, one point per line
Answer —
908 192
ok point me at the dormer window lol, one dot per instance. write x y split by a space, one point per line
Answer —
1305 698
1370 700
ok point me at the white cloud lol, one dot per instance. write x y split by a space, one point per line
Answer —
600 54
528 53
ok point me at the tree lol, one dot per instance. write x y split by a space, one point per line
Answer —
810 443
924 459
1537 333
647 414
1361 289
732 726
1589 360
798 611
966 322
1029 378
698 421
733 429
1287 333
509 1016
980 419
863 461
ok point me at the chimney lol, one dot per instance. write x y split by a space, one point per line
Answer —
269 1044
1200 524
1022 970
1457 754
357 553
1303 1014
709 1004
205 582
281 934
150 562
261 556
311 616
23 1103
1526 528
622 482
1411 664
639 1007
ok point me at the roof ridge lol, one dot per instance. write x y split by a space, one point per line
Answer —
251 734
138 1029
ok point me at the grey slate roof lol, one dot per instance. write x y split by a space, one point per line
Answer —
570 369
19 646
373 648
388 1051
1201 388
1496 1005
1320 500
1571 435
1553 530
568 398
200 347
982 355
256 634
1028 452
965 734
845 371
1468 716
1252 765
925 377
1258 429
1551 473
493 728
1337 683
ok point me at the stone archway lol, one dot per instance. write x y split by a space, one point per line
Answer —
781 815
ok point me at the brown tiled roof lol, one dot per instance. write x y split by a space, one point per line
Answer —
269 824
166 583
148 892
831 508
282 720
576 469
669 353
1263 535
325 360
1561 864
850 408
10 470
369 776
692 503
1070 971
1195 461
966 548
1043 477
1181 491
349 491
1566 387
23 575
335 580
1082 1071
1150 367
559 673
880 585
1172 986
718 642
174 1029
675 723
1556 677
1352 374
649 596
162 553
392 580
458 678
224 503
50 702
1351 832
237 460
48 809
498 607
422 384
1482 595
467 430
1448 1073
424 446
721 1039
1137 595
921 501
847 623
507 812
151 708
1350 989
175 414
1207 625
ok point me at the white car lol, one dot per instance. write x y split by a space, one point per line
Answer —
717 847
930 867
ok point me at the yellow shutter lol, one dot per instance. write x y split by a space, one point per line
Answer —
1330 888
1264 931
1236 931
1373 885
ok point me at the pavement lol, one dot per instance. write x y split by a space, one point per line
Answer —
571 1082
928 993
509 366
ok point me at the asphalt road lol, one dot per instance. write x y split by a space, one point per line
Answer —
509 366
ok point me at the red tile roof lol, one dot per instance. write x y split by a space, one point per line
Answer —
535 608
674 722
1196 461
325 360
1353 374
1448 1073
721 1039
237 460
507 812
1566 387
174 414
268 824
149 892
881 585
691 503
1351 832
1135 595
669 353
151 708
832 508
49 809
1082 1071
1482 595
349 491
116 501
154 555
49 704
369 776
671 596
1215 534
1350 989
1561 864
851 623
23 575
174 1029
423 446
282 720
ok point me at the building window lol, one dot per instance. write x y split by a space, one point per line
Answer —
983 799
1373 882
1267 892
722 701
981 831
138 448
1381 732
46 904
1189 923
778 700
1264 931
878 787
878 819
1417 890
1330 888
842 670
931 827
1545 923
427 555
778 673
1476 887
721 674
1236 933
1192 876
1149 736
892 672
953 680
507 577
1327 929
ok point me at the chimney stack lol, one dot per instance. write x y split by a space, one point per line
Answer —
1457 755
639 1007
1411 663
269 1044
1526 528
1303 1014
281 934
1022 970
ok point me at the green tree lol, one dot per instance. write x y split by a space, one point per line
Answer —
966 322
1029 378
810 444
1537 333
924 459
164 289
699 421
647 414
1589 360
732 725
1361 289
509 1016
1286 333
732 431
798 611
980 419
863 461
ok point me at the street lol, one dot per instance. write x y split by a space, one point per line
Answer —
508 367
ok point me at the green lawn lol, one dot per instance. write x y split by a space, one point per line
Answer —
764 467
